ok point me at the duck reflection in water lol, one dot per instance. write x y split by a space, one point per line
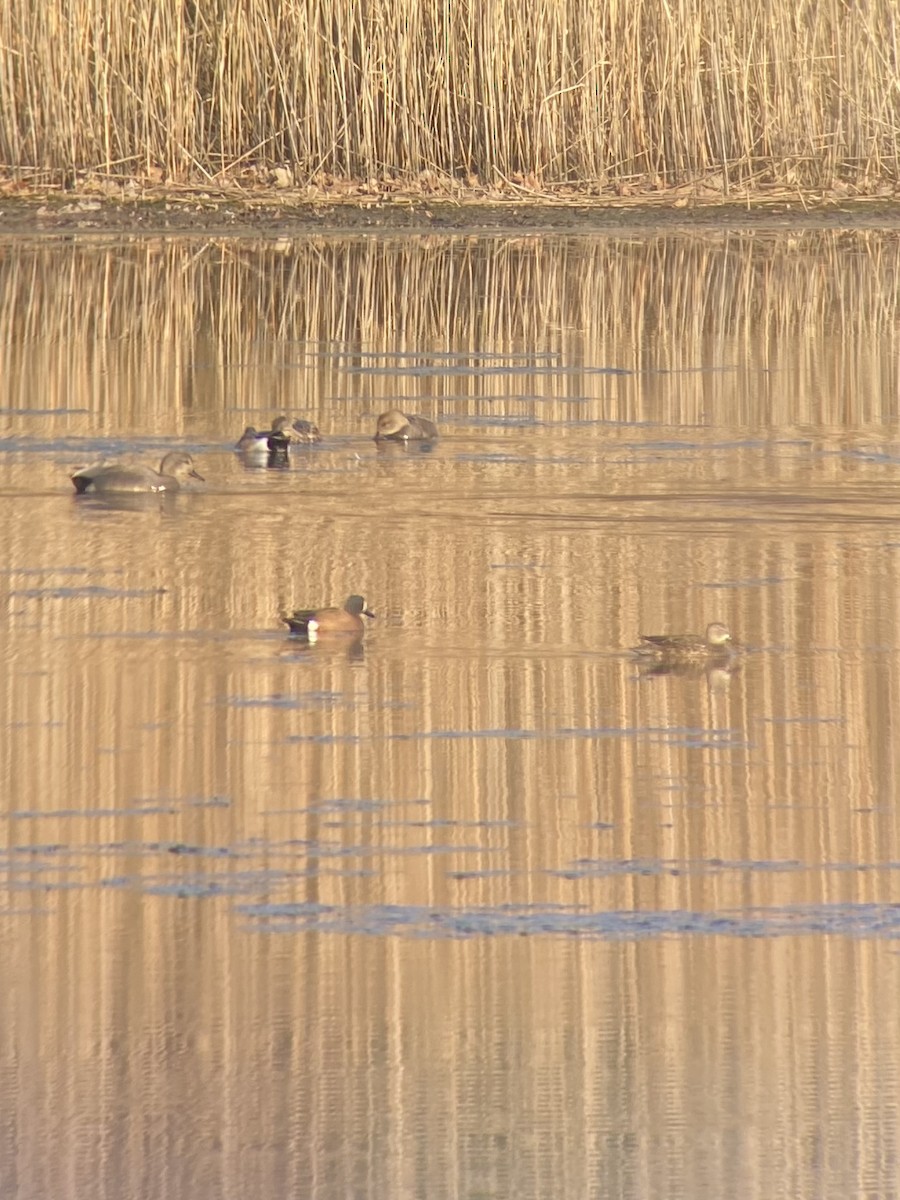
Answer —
96 503
349 646
717 674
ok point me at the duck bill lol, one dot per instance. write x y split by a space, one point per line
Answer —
367 612
197 475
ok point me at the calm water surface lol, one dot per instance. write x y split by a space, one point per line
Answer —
475 908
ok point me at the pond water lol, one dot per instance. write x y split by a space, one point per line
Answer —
476 906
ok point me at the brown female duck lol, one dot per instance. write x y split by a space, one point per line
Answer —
397 426
687 647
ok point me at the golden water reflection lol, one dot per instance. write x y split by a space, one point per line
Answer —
476 907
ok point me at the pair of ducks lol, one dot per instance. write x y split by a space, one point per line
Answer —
271 446
715 647
268 447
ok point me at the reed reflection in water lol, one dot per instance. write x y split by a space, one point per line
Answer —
475 905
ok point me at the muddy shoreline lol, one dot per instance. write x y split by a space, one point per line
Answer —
282 216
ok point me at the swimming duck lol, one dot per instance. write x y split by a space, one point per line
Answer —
311 622
687 647
103 477
269 447
397 426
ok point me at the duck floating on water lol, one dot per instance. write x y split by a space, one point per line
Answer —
397 426
314 622
105 477
717 642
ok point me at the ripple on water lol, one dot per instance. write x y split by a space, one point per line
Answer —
853 920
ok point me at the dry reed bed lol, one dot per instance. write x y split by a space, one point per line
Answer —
585 92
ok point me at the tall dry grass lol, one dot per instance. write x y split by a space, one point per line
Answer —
573 91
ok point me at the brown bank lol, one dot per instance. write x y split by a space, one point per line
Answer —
63 213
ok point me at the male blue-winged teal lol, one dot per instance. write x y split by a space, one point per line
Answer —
397 426
262 444
687 647
103 478
311 622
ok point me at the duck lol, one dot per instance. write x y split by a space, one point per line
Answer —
283 433
270 447
104 477
397 426
717 642
301 432
312 622
262 449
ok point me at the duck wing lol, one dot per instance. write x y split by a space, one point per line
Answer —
298 621
670 641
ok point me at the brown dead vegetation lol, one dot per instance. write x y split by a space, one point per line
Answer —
496 99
